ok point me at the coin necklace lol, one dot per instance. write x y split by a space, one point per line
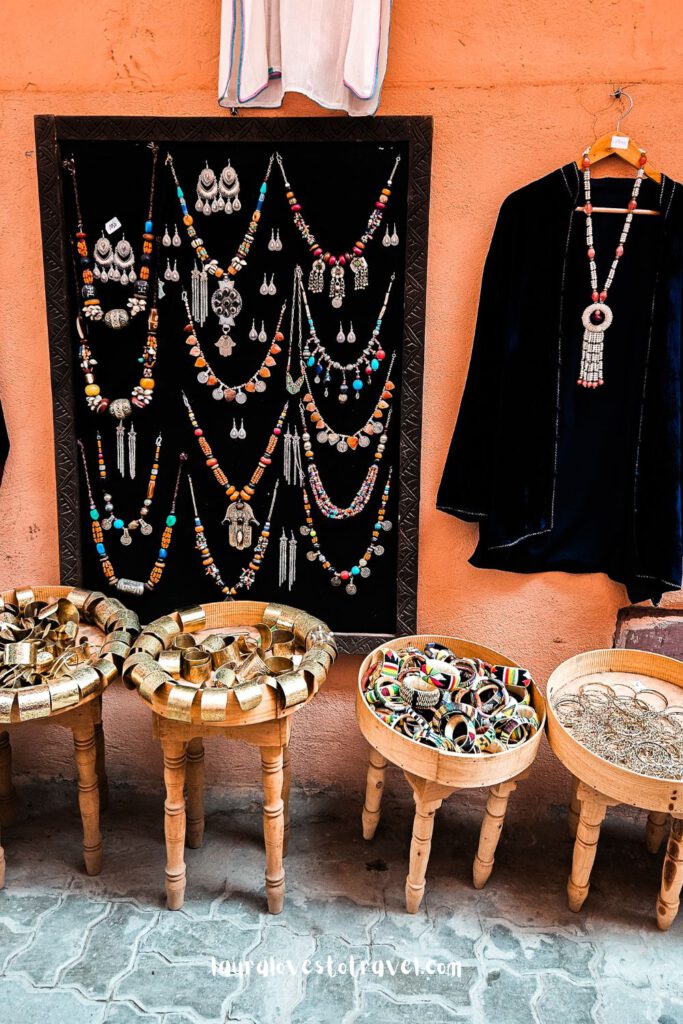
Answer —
248 573
127 586
118 317
355 259
597 317
325 434
316 358
207 375
322 499
239 515
226 301
116 522
361 569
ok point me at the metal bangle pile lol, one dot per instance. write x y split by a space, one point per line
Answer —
616 723
454 704
46 664
289 651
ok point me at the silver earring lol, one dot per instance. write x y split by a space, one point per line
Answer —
228 190
253 333
166 240
104 259
264 287
207 190
200 294
233 431
272 290
241 433
124 262
175 276
351 336
176 237
386 241
262 336
272 244
341 337
168 273
394 237
287 564
278 243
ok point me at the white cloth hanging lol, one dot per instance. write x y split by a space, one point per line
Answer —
333 51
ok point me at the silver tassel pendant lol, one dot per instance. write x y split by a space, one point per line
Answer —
337 286
291 579
297 467
120 448
316 278
200 295
282 571
132 452
287 457
596 318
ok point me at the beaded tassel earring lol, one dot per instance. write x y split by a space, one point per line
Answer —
292 467
287 566
200 295
132 452
124 262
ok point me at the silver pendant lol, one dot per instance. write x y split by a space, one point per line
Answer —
240 519
134 587
226 303
225 344
117 319
145 528
126 538
312 555
351 589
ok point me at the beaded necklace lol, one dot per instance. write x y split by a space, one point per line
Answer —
220 389
239 515
322 498
126 586
226 301
325 434
247 574
316 357
116 318
356 258
361 568
116 522
597 317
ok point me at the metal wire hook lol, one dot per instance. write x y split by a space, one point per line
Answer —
618 93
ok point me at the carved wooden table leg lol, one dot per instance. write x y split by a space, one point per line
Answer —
574 809
8 798
655 830
374 789
491 828
593 810
88 792
174 821
286 787
100 762
273 826
420 848
195 793
668 900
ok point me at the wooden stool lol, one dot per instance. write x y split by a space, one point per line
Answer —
434 775
72 700
598 784
183 717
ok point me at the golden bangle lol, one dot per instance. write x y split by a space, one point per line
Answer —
152 682
90 603
225 678
22 653
183 642
251 667
195 665
23 597
106 669
63 694
277 665
179 703
33 702
136 667
149 644
191 618
78 597
294 687
248 694
6 704
88 680
169 661
214 705
315 670
164 629
282 644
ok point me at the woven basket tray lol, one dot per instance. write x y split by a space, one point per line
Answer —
465 771
615 665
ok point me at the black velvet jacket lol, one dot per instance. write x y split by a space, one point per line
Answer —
542 465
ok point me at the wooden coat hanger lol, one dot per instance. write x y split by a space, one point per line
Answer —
617 144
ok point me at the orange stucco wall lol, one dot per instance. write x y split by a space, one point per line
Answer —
515 90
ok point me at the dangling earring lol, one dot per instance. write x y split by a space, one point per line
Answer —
292 469
175 276
341 337
272 243
104 259
278 243
264 287
168 273
253 333
287 565
386 241
124 261
176 237
233 431
207 190
394 237
229 188
200 294
272 290
241 433
351 336
132 454
166 240
262 336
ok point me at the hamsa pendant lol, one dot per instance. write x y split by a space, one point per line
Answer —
240 519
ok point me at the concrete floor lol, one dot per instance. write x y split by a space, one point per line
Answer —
75 949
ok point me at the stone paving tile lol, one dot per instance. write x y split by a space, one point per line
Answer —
178 939
189 989
530 952
503 996
59 939
558 998
20 910
450 989
343 917
110 950
623 1003
329 999
272 998
123 1013
378 1008
671 1012
20 1002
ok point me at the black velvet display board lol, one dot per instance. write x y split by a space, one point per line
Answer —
337 171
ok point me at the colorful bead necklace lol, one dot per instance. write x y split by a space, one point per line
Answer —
315 356
137 303
360 570
116 522
123 585
356 258
248 573
220 389
226 301
597 317
322 498
239 515
325 434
